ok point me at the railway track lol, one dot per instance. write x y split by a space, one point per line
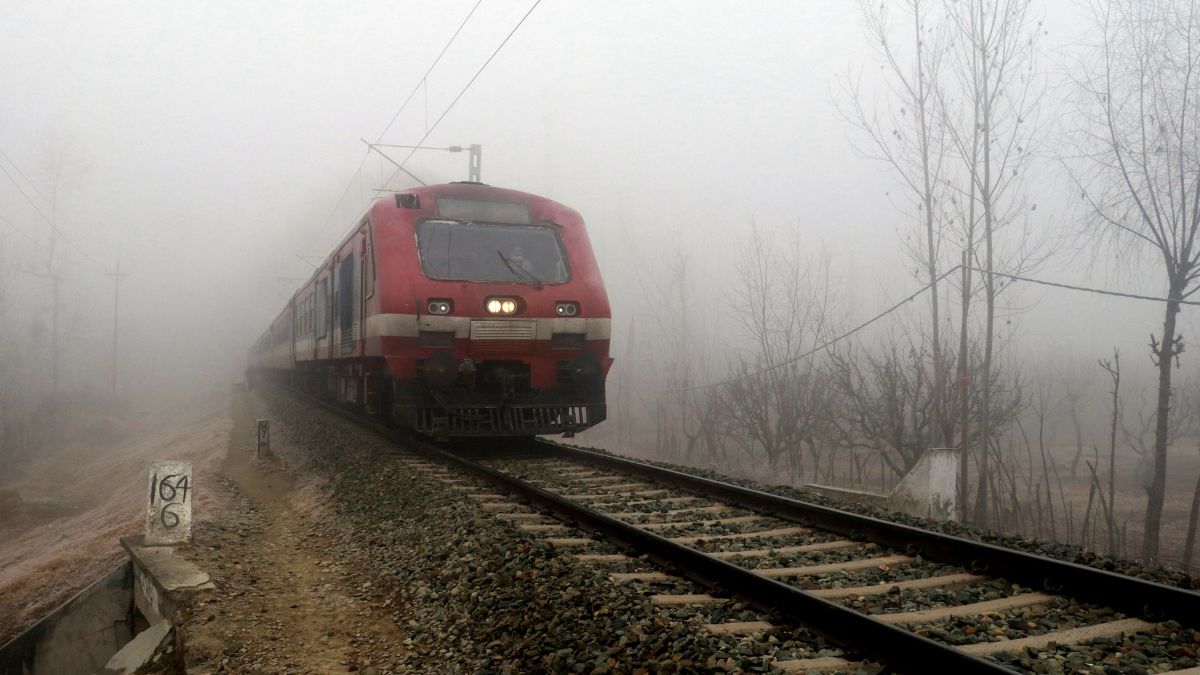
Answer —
895 596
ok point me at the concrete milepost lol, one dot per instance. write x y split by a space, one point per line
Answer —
169 513
264 437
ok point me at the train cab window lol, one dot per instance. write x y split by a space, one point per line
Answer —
485 252
474 210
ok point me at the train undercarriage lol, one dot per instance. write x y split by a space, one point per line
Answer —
494 399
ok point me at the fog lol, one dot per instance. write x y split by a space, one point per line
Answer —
215 149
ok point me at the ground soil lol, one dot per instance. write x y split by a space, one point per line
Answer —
283 604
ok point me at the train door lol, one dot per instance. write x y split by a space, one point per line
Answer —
293 332
346 283
323 317
366 287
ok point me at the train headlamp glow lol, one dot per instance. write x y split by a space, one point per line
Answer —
437 306
566 309
503 306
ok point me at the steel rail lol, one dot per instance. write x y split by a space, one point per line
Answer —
887 643
1137 597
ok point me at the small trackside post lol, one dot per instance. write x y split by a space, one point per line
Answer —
264 438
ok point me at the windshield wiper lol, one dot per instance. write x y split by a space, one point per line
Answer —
519 270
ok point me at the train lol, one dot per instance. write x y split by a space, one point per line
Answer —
453 310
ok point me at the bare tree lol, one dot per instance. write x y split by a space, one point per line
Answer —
1140 126
992 48
908 135
886 403
777 402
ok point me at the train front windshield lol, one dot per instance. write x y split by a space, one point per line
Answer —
456 250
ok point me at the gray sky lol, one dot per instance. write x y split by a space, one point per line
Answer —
207 144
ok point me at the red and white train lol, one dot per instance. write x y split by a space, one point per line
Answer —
455 310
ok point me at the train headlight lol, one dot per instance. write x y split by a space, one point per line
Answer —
566 308
439 306
502 306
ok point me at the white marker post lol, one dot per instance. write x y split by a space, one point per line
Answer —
264 437
169 515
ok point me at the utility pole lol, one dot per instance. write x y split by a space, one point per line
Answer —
117 276
54 308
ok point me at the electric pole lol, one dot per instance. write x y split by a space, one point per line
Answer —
55 305
117 276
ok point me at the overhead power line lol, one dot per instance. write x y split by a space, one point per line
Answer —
34 240
829 343
1084 289
821 347
33 186
48 219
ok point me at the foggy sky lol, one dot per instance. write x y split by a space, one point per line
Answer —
207 145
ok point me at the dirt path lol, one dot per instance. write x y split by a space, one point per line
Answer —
284 604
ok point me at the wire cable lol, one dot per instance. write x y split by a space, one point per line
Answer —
898 305
1084 289
32 185
821 347
36 242
49 221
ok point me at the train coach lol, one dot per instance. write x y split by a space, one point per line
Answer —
455 310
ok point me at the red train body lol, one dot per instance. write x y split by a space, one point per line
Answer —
458 309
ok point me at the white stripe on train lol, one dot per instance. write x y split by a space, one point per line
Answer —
408 325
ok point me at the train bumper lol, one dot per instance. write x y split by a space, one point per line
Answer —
504 419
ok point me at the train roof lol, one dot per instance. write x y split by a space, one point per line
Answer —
541 208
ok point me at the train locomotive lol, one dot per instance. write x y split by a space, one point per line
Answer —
454 310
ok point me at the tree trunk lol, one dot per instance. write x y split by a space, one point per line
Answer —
1189 544
1158 485
939 426
964 386
989 280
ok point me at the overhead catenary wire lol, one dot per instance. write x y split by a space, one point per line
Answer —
420 83
463 91
914 295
